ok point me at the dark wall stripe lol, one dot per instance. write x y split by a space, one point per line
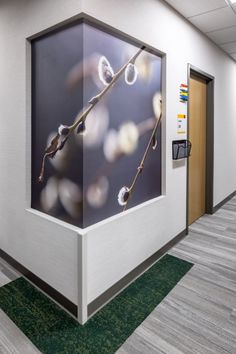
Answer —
219 205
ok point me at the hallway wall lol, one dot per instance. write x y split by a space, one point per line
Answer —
49 247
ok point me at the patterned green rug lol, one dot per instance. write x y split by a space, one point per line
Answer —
55 332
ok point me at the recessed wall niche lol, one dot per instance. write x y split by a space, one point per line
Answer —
96 110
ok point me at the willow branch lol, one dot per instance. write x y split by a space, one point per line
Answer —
142 162
81 117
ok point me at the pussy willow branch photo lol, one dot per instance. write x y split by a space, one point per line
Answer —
126 192
108 78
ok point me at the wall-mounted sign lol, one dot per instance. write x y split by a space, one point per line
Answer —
181 124
183 93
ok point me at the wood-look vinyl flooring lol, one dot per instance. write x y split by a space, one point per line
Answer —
7 273
199 315
12 340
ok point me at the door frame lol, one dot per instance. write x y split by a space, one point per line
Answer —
210 81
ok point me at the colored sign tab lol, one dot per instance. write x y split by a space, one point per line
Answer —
181 116
183 95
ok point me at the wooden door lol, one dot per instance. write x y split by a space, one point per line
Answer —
197 136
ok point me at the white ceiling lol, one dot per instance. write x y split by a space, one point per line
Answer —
215 18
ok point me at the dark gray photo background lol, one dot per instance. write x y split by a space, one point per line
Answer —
53 56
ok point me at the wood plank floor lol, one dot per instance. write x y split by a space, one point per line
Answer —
7 273
12 340
199 315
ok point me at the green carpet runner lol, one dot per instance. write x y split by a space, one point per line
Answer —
53 331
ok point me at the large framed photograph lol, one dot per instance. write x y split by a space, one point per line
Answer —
96 123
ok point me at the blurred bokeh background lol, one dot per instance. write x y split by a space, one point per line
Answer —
82 182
